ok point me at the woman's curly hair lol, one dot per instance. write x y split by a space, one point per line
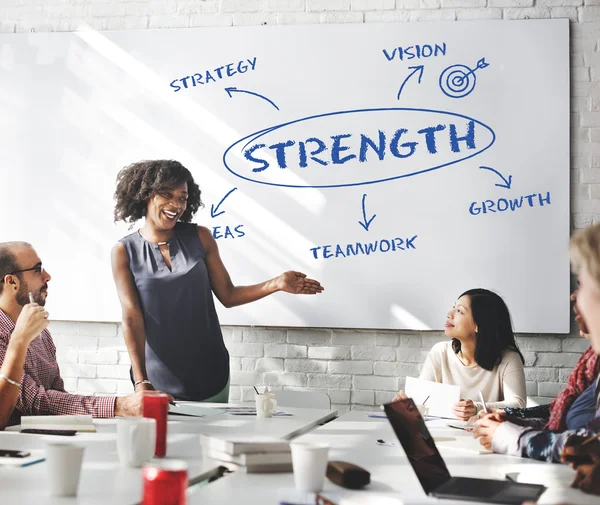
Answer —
139 181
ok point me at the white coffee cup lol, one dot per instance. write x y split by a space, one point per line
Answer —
423 410
310 464
63 461
265 404
136 439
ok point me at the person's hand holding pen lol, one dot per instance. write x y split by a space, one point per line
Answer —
579 450
583 454
32 320
486 427
588 478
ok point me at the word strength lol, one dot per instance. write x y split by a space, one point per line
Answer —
343 148
395 244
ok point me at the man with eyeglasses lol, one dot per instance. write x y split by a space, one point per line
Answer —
30 381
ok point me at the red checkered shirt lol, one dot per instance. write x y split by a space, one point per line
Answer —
43 390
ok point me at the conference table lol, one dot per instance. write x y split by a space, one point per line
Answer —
354 437
104 481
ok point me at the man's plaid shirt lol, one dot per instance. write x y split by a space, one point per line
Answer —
43 390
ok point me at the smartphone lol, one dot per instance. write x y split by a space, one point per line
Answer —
64 433
7 453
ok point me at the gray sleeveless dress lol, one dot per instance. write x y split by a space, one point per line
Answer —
185 353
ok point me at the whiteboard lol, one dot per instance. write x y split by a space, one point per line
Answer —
399 164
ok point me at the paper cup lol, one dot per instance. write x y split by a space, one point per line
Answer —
310 464
136 440
64 467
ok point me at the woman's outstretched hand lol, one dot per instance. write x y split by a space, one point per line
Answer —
298 284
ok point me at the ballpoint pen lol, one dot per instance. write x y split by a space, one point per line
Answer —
483 402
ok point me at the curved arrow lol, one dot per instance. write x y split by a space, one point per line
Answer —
506 184
213 209
235 90
366 223
418 68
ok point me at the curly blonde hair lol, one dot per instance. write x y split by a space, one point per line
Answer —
584 249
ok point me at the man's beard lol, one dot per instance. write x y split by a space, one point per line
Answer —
23 295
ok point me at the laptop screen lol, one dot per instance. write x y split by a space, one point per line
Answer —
418 444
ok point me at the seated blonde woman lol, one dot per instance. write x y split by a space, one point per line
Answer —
507 435
482 355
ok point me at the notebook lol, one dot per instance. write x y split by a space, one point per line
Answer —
242 444
252 459
192 410
83 423
441 398
431 470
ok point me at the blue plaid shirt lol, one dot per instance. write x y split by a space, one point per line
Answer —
544 445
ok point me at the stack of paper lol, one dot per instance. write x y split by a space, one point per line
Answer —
251 411
440 398
83 423
251 454
194 410
462 443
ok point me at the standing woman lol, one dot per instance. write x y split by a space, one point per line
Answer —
166 273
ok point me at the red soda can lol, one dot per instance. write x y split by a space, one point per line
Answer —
156 406
165 483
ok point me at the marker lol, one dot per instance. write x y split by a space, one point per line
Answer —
483 402
31 300
173 403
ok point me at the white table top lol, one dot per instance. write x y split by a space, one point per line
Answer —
104 481
353 438
286 428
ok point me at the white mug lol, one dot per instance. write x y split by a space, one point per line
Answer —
265 405
423 410
136 438
63 461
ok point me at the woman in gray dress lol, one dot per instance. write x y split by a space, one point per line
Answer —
166 273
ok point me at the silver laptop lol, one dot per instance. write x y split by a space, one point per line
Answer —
432 472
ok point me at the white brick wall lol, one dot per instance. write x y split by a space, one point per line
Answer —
363 368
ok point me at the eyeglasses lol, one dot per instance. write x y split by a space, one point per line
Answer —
38 269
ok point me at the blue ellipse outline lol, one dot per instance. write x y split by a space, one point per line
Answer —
256 135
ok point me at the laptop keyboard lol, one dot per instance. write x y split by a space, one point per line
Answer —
476 488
